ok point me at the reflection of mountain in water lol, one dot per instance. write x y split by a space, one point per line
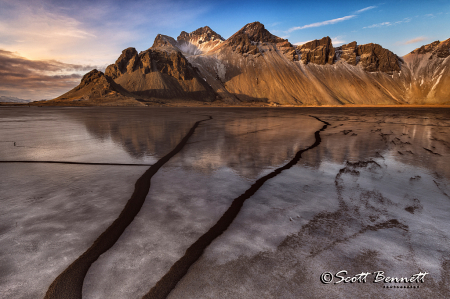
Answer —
245 140
140 132
412 136
251 140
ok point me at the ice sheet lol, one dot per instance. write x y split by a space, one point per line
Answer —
195 188
374 195
335 212
50 214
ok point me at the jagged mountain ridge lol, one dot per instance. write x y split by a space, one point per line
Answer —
159 72
198 41
254 65
430 76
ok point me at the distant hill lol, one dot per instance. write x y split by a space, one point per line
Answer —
6 99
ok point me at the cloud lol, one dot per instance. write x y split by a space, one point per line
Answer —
386 24
405 20
301 43
379 25
365 9
92 32
333 21
41 34
36 79
10 61
414 40
324 23
81 33
337 40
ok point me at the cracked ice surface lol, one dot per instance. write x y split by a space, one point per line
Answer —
374 195
334 212
90 135
193 190
51 213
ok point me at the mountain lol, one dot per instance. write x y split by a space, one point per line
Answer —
160 72
255 66
96 89
430 77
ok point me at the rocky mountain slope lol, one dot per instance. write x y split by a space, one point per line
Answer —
430 77
95 89
255 66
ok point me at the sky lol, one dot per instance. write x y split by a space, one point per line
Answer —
47 45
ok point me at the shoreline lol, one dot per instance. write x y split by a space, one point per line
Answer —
209 105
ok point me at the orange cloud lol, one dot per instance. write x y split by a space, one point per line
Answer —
414 40
37 78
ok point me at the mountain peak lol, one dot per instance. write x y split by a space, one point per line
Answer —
91 77
254 26
202 34
246 39
164 40
438 48
256 32
318 51
211 34
204 39
426 48
316 43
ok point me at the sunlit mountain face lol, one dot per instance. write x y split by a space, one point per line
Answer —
255 67
46 48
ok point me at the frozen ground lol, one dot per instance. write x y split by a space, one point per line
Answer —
191 193
374 195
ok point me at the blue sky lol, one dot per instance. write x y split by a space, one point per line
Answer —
86 34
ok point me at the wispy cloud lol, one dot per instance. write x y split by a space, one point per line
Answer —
89 31
333 21
414 40
42 33
324 23
365 9
10 61
301 43
386 24
38 79
338 40
56 38
405 20
379 25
